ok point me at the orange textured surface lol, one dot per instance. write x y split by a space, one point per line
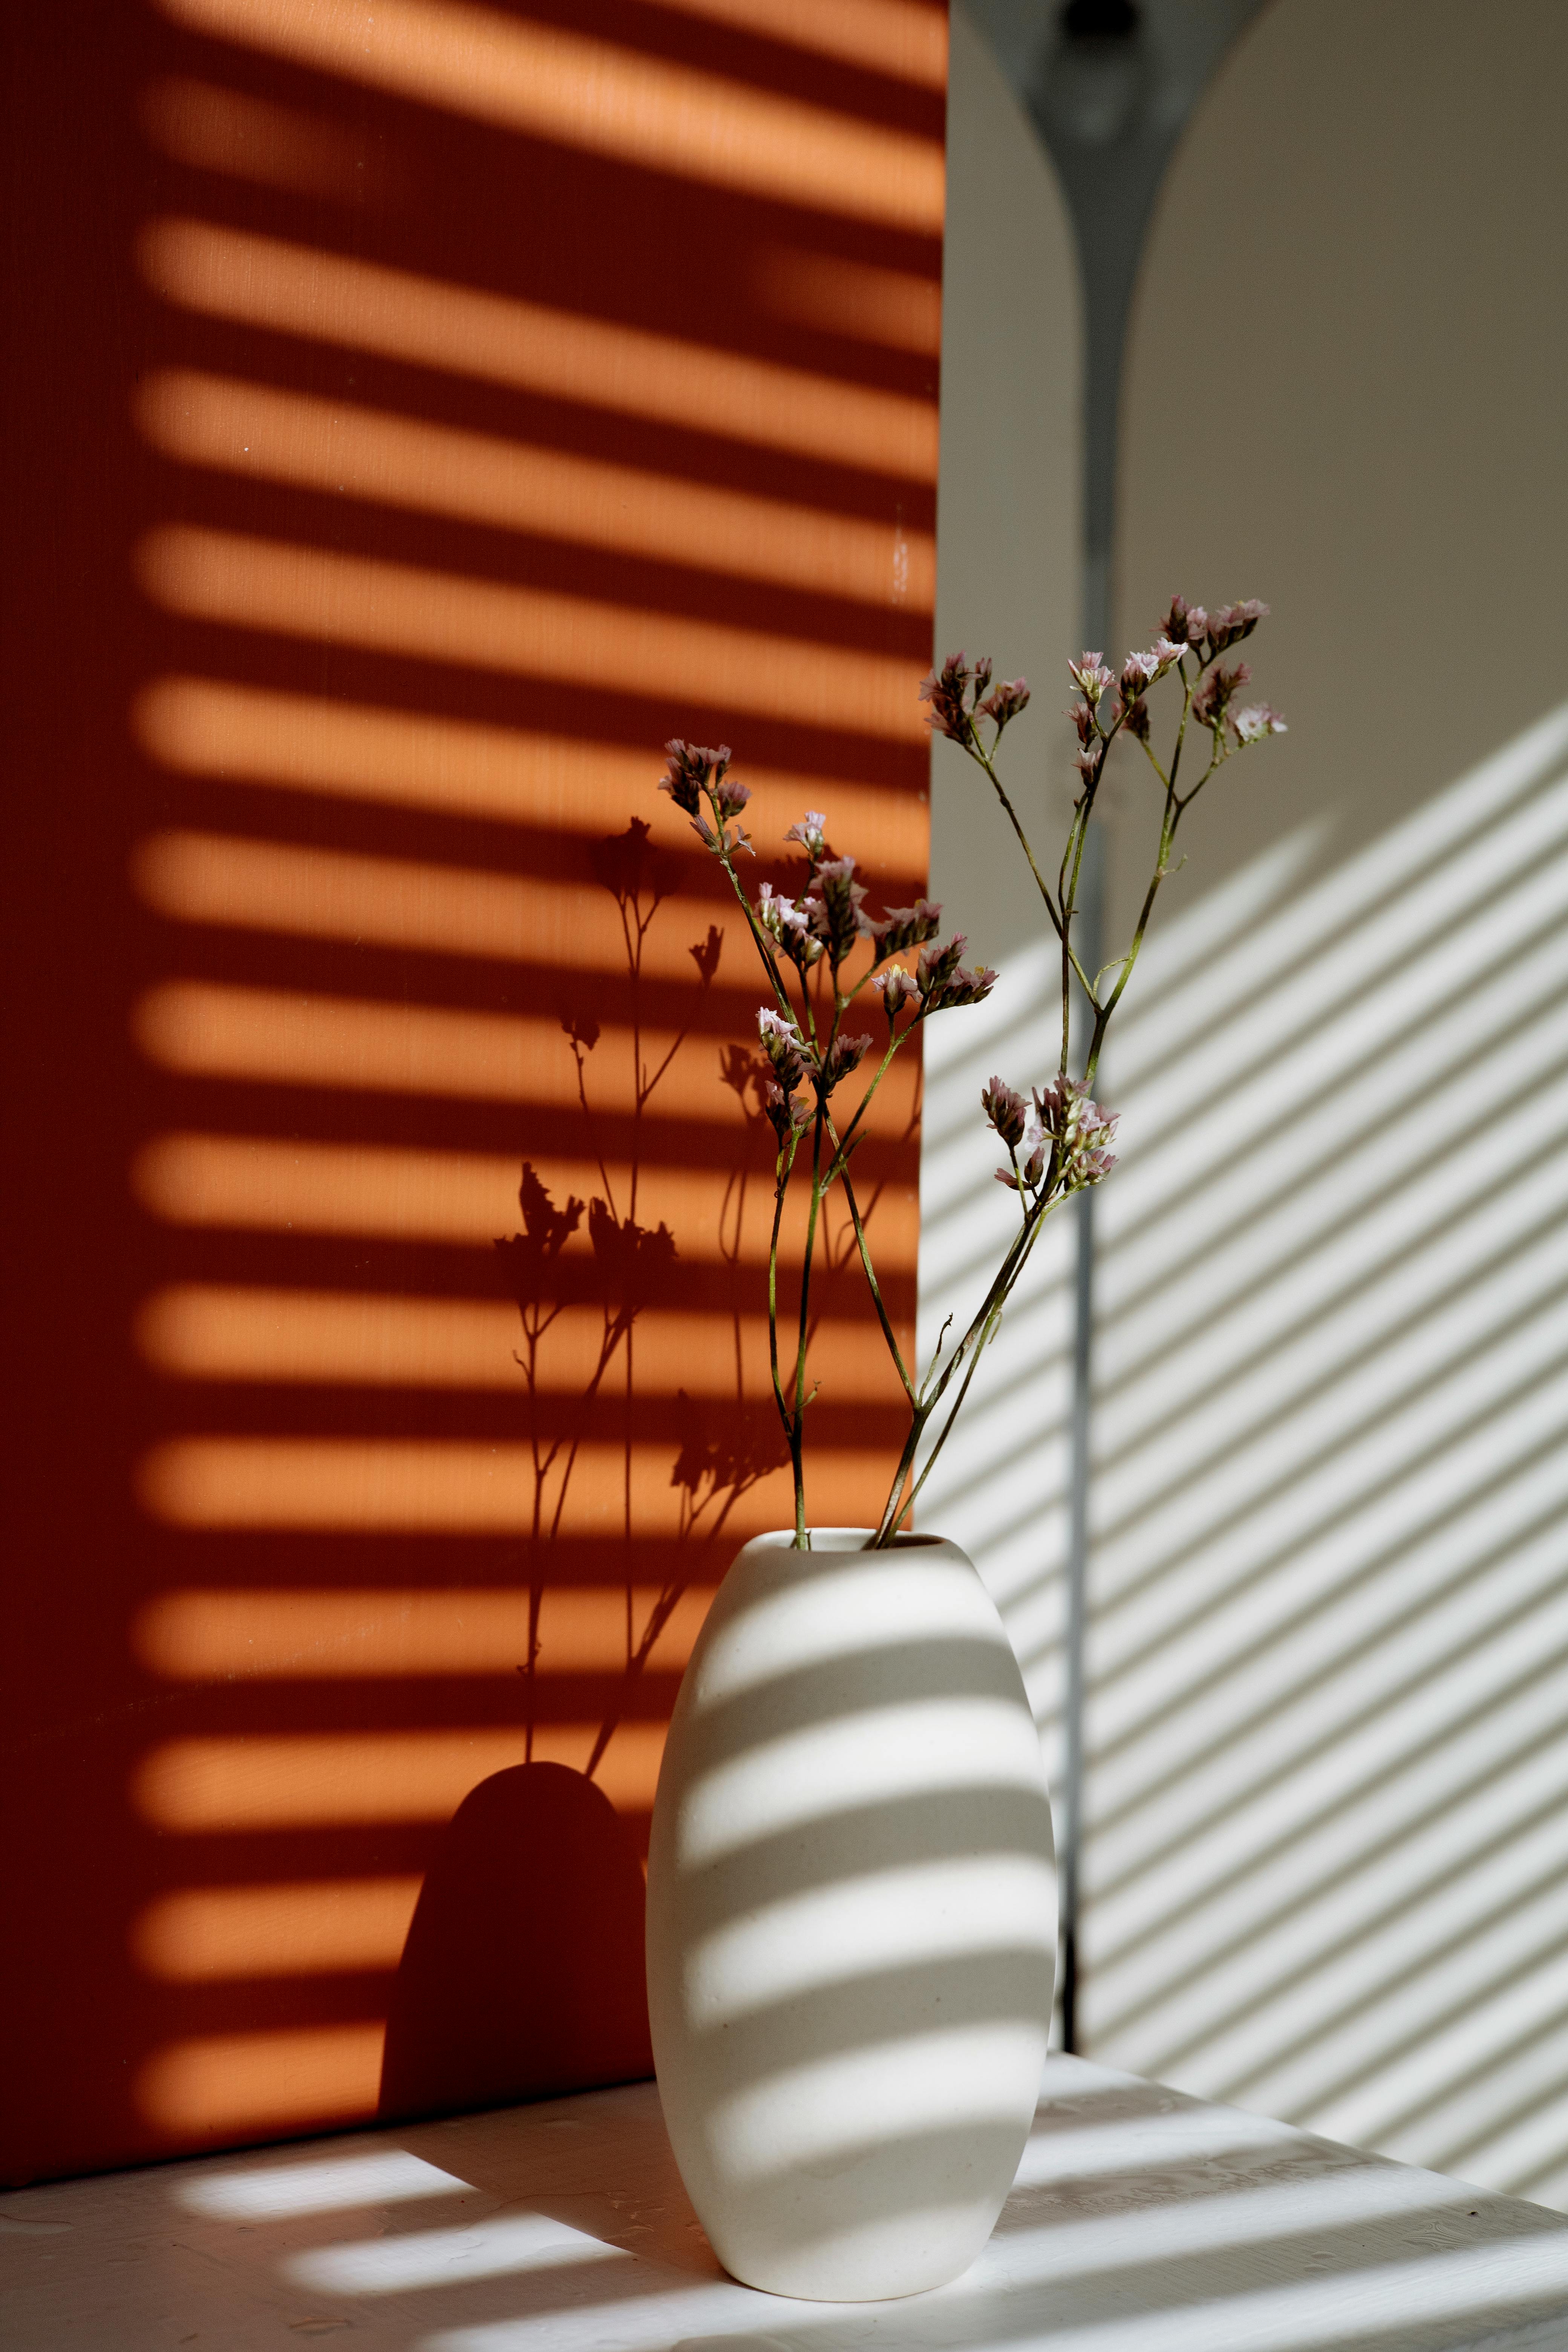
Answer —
415 413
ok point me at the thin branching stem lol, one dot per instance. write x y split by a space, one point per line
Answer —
798 1416
845 1145
780 1184
875 1287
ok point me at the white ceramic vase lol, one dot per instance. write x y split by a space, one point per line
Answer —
851 1918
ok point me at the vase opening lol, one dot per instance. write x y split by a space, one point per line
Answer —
839 1539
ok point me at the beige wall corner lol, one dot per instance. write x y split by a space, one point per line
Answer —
1328 1771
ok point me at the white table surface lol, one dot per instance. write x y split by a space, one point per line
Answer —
1141 2222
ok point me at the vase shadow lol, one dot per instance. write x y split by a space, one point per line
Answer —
523 1972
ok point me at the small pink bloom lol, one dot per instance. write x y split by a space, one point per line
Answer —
1258 719
896 990
1090 677
810 834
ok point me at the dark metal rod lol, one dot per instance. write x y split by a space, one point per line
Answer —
1079 1471
1109 85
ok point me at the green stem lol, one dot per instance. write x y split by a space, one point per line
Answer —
967 1354
982 757
875 1288
781 1181
1171 820
924 1406
843 1147
987 1332
764 944
893 1510
1188 685
799 1416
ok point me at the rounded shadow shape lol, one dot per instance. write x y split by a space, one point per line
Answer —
522 1973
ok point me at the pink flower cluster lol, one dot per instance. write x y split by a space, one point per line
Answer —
1211 633
1106 703
958 696
693 772
822 925
1064 1143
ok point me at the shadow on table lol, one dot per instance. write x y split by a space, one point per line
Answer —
1151 2219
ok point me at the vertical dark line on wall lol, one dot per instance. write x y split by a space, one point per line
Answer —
1109 86
1091 904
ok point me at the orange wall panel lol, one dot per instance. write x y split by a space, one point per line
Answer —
415 413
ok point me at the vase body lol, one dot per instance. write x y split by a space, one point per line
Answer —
851 1918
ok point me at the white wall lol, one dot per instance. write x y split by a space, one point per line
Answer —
1006 584
1326 1856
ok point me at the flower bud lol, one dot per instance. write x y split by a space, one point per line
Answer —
809 833
690 769
944 691
937 962
1006 700
832 907
1005 1110
967 987
1213 697
787 1051
787 1113
844 1056
906 927
1234 622
896 990
785 921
